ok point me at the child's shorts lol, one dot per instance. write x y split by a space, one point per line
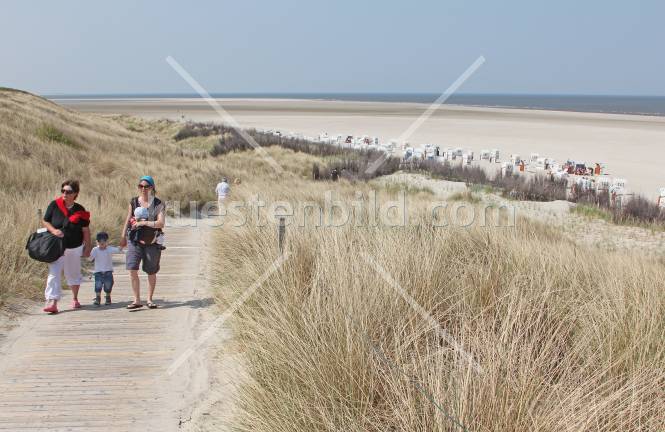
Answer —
104 280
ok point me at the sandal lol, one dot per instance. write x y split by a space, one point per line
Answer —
134 306
151 305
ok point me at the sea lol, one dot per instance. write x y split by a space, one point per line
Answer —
638 105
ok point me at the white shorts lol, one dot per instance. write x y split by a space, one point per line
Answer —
220 204
70 263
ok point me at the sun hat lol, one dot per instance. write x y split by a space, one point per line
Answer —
148 179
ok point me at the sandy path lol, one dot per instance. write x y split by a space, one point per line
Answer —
105 368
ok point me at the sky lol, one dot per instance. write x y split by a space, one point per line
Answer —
532 47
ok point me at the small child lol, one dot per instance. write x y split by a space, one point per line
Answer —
101 255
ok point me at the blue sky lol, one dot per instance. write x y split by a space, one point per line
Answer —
562 47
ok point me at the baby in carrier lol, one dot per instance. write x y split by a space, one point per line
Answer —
144 235
140 234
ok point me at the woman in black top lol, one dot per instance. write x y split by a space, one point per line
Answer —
68 220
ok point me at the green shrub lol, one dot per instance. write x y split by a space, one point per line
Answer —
50 133
592 212
466 196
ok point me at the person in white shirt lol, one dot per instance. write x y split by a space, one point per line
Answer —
101 255
222 189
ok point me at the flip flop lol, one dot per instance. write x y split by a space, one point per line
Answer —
134 306
151 305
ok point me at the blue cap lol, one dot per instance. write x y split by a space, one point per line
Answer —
149 180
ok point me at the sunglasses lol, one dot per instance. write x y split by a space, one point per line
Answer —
67 191
145 186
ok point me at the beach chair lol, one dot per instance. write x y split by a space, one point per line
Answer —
506 169
661 198
619 182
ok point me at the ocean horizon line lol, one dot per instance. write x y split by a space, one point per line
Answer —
607 104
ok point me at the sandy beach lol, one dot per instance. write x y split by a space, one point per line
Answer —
630 146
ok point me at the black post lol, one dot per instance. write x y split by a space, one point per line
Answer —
39 215
99 200
280 234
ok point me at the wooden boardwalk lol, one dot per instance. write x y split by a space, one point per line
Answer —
105 368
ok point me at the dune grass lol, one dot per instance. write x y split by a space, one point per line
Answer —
593 212
466 196
395 187
565 341
625 218
51 134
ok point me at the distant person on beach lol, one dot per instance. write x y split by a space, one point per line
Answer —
145 249
101 255
222 190
68 220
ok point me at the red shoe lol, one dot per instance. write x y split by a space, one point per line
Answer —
76 304
53 309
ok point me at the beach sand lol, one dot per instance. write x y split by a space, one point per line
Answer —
631 146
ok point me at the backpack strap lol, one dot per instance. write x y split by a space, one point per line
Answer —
133 203
157 202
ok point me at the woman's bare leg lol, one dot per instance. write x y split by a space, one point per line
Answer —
75 291
136 285
152 283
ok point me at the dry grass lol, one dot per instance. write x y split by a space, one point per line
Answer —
466 196
568 338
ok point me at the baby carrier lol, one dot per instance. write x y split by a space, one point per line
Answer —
144 236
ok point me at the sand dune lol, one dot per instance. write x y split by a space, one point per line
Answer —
631 146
